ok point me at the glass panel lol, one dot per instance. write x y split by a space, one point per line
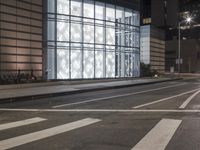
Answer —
110 12
99 34
136 38
88 62
99 64
88 9
118 64
51 6
51 63
110 64
136 18
128 16
128 38
110 33
76 32
88 32
62 64
63 6
99 13
76 7
62 31
119 26
136 65
117 39
51 30
76 64
122 62
119 14
119 35
132 72
128 64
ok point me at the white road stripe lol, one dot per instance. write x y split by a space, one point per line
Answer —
21 123
116 96
164 99
106 110
189 100
159 136
24 139
196 83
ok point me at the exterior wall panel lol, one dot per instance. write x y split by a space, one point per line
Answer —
21 37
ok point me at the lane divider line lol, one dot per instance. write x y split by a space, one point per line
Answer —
188 100
107 110
159 137
21 123
164 99
27 138
116 96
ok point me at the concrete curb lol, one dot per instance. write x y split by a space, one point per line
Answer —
46 95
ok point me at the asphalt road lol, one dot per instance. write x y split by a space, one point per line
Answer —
149 117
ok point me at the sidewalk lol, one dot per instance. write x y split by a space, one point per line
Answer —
9 93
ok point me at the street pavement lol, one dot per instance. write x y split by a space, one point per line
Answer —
162 116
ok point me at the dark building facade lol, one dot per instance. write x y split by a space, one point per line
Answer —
189 37
166 15
153 34
159 13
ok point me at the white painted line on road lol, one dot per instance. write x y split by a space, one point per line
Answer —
173 82
164 99
159 136
24 139
107 110
116 96
196 83
21 123
189 100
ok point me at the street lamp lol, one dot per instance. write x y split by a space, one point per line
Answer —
188 20
179 61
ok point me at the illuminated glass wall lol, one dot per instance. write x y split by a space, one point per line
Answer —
92 39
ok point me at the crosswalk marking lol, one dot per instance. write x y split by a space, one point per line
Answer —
21 123
159 136
188 100
24 139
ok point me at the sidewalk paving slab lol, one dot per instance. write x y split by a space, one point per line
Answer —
41 90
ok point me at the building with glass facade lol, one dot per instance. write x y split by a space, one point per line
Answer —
92 39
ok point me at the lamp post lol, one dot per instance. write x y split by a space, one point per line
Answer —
179 48
179 61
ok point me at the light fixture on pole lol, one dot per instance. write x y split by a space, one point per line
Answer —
188 20
180 61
